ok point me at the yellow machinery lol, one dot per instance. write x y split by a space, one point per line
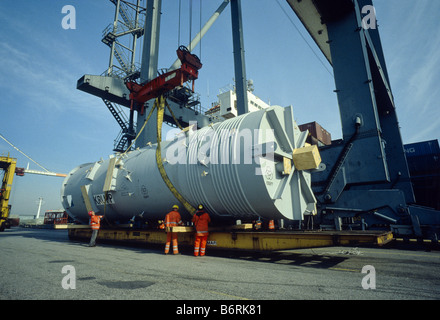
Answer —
7 164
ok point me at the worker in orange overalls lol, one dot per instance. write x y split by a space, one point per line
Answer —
201 219
257 224
271 225
95 224
172 219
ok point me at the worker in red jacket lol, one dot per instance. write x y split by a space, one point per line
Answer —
201 219
95 224
172 219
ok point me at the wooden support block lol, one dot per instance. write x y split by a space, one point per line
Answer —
244 226
287 164
85 195
306 158
179 229
71 226
110 176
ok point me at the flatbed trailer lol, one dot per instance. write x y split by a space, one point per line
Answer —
238 239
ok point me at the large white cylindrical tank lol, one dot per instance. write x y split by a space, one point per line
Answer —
235 168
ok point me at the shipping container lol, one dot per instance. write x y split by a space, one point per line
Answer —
429 163
422 148
424 166
318 132
427 190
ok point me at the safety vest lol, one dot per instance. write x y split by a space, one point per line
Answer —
95 222
201 221
257 225
271 225
173 219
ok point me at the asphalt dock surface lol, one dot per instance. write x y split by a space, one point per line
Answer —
41 264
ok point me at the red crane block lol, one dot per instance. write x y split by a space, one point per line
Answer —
189 70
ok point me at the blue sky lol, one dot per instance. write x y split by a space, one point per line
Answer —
44 115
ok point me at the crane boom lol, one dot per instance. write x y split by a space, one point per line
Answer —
22 171
10 143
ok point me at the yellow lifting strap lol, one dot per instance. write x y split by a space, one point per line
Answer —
159 104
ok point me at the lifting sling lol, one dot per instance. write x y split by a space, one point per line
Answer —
159 105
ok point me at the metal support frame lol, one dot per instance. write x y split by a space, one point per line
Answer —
122 62
239 58
367 171
365 176
150 53
150 60
364 179
111 87
125 24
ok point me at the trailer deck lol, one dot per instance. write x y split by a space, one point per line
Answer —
241 239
